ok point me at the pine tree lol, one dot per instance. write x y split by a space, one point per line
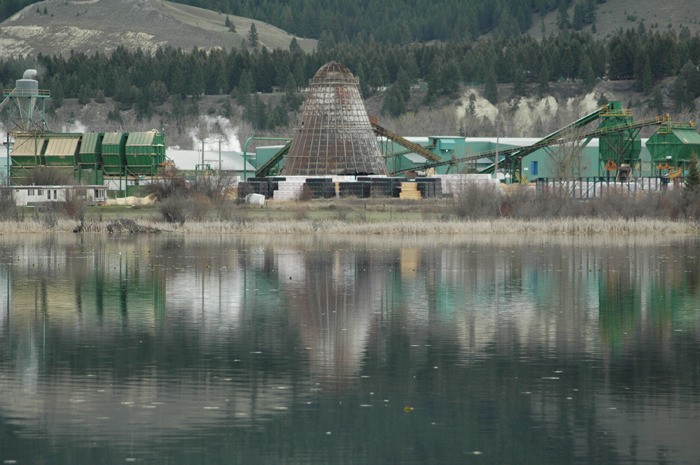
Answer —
491 87
294 46
519 87
403 83
394 103
253 38
657 101
563 16
245 88
229 24
692 180
586 74
290 91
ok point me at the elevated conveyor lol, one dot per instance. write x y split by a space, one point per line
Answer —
265 169
511 157
412 146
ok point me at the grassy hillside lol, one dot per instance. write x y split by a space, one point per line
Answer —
629 14
55 27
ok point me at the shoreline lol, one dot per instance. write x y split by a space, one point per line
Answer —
397 227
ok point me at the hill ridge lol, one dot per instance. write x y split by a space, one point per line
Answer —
57 27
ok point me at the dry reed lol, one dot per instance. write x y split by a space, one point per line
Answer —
335 227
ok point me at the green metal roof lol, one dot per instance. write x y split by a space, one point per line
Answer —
89 143
61 146
141 138
113 138
27 146
686 135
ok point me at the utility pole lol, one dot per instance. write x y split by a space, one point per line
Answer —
498 127
7 144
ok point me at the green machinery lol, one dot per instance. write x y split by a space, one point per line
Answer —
673 146
89 156
89 162
620 147
617 132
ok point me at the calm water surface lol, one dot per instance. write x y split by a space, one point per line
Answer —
172 350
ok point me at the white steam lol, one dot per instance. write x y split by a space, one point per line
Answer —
211 130
77 126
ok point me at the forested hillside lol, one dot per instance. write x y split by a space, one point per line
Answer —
387 21
144 81
399 54
395 21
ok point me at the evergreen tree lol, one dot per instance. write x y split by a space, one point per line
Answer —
450 78
563 16
519 87
579 17
657 101
259 114
682 91
294 46
543 78
642 71
229 24
290 91
245 88
56 89
403 83
692 180
491 86
394 103
84 95
278 116
253 38
586 74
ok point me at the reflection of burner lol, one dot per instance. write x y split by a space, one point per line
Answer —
334 312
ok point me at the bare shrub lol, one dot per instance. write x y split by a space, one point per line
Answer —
47 214
474 201
180 200
174 209
691 203
198 206
214 187
169 186
226 211
74 206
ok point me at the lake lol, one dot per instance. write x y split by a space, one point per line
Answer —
389 350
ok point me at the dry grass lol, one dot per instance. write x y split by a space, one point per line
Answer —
444 229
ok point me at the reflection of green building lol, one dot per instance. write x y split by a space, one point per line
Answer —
106 283
118 285
619 305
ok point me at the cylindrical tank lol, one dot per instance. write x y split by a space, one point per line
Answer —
27 86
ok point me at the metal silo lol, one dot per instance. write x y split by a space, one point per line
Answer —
334 135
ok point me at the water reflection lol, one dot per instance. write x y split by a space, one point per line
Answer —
219 350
